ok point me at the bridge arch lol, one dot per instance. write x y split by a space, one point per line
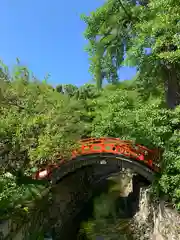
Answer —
103 159
106 151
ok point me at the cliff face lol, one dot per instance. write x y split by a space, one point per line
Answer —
155 221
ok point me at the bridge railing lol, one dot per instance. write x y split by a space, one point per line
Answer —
126 148
117 146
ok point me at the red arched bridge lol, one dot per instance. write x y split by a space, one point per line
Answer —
125 154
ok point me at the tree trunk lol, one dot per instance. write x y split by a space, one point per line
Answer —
172 87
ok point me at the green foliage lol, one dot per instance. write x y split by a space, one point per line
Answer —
120 33
16 198
36 124
67 89
150 124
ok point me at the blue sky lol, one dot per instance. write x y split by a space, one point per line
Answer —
47 36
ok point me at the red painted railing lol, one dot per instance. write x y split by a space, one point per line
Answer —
110 145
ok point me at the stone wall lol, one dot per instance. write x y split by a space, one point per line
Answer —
155 221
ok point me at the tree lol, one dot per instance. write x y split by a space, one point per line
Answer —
123 27
88 91
67 89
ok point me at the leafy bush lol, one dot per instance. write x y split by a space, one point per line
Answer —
36 123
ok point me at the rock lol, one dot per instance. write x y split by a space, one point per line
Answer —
155 221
